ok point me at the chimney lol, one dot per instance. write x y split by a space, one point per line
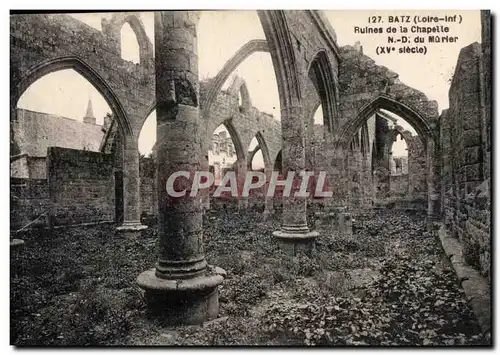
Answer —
89 115
358 47
107 122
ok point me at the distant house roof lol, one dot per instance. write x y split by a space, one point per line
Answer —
34 132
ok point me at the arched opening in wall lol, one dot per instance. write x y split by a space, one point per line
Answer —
147 137
60 129
259 90
61 109
244 102
224 156
318 130
386 119
255 157
320 73
401 175
129 44
318 116
278 163
242 54
398 166
147 170
257 162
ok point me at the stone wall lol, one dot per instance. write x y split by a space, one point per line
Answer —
37 167
464 143
47 41
487 89
81 186
29 200
149 200
417 168
19 168
362 82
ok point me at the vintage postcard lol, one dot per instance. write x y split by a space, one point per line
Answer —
251 178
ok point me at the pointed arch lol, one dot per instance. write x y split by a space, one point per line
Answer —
412 116
238 146
321 74
78 65
278 163
131 51
239 87
264 148
256 45
113 29
251 155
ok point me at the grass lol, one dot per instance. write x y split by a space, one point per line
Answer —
77 286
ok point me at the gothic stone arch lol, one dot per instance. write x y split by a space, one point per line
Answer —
112 28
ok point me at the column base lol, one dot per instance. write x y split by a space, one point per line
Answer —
326 221
131 229
186 301
294 242
337 220
266 214
345 223
433 223
242 206
16 244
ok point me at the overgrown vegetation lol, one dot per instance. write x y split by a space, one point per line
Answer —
387 284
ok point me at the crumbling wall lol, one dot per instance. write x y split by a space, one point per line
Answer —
29 201
80 186
246 124
42 38
417 168
361 81
467 199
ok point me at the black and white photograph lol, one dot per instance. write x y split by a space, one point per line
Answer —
241 178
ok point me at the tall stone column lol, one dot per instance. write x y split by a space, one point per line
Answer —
337 176
294 234
241 173
355 173
131 225
366 182
268 201
205 192
433 187
182 288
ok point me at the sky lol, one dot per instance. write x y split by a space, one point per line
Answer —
222 33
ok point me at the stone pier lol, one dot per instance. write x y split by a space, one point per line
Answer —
337 219
294 235
268 201
182 289
131 226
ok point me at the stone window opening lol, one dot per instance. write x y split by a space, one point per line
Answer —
130 49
